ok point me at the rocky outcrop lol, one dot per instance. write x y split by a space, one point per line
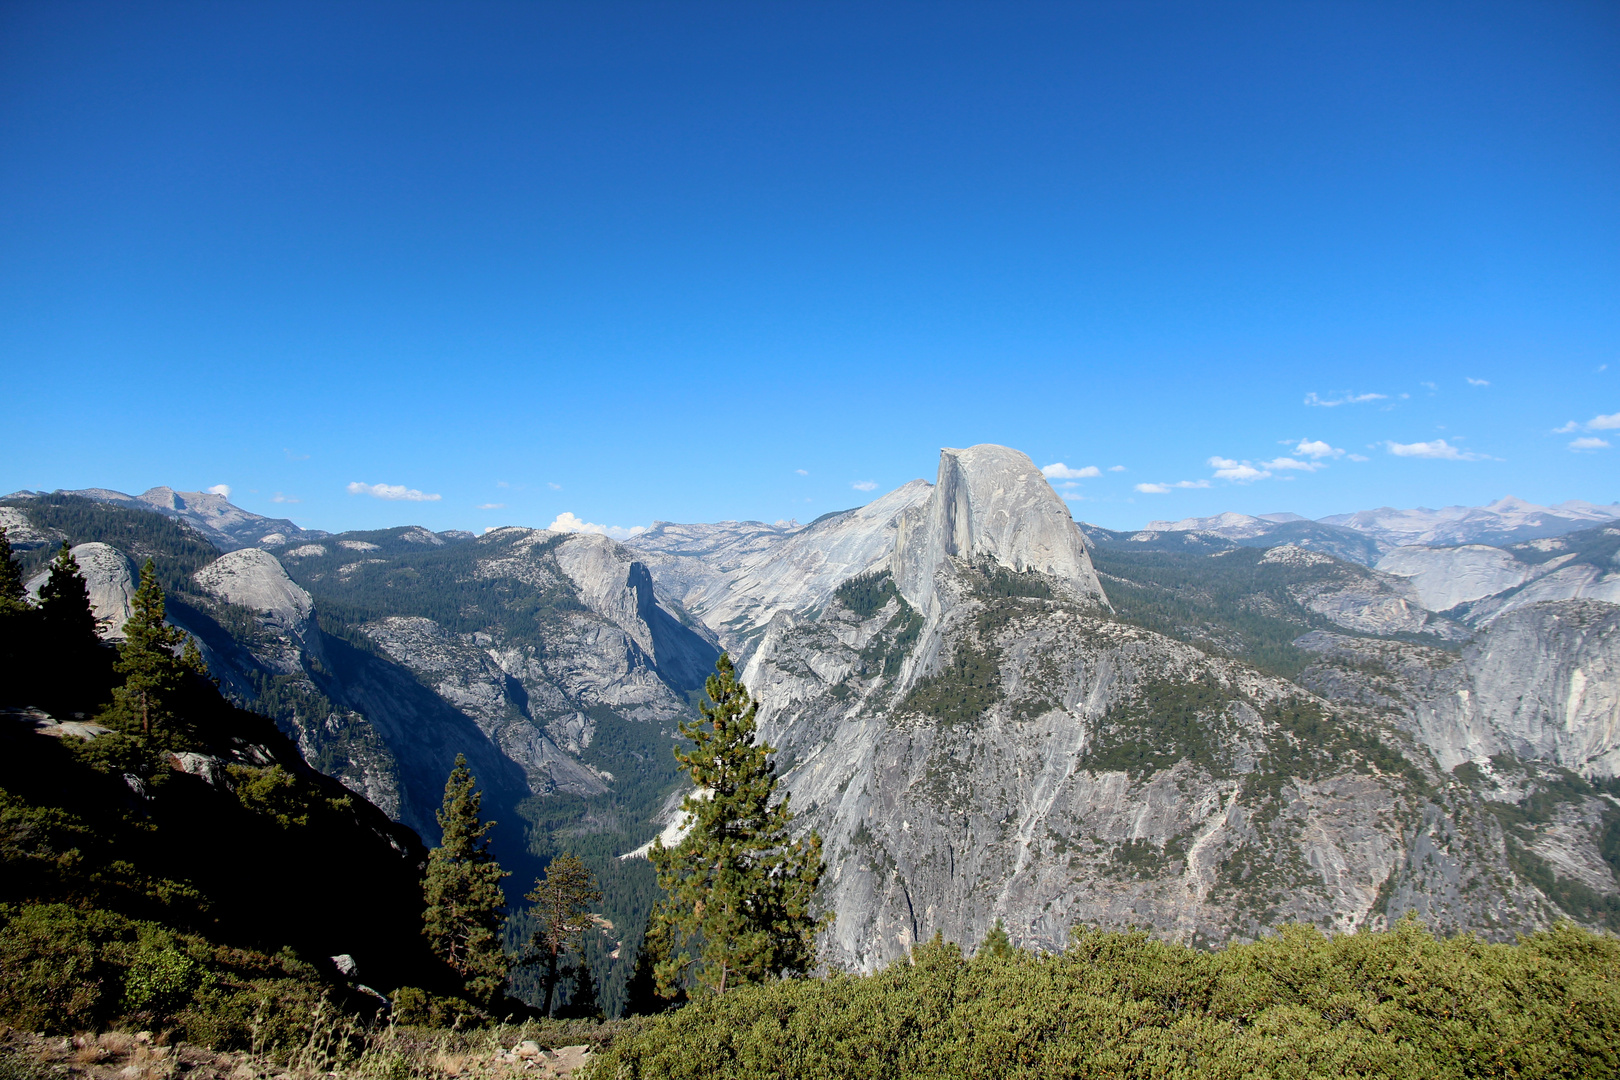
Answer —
1445 577
111 580
990 502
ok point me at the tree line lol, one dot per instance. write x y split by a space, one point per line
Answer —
738 888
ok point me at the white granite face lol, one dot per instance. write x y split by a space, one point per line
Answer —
991 502
1446 577
254 579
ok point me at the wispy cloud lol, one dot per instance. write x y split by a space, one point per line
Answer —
492 506
1610 422
1439 449
1162 489
802 472
553 486
1116 468
1284 464
396 492
220 489
280 498
1477 382
292 456
1059 471
1587 443
864 485
568 523
1343 399
1239 472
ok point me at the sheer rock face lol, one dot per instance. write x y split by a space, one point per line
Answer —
1542 683
1024 810
1446 577
1547 678
111 580
991 502
750 575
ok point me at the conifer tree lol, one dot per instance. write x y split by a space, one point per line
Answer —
583 1005
13 596
641 990
737 888
562 912
153 675
465 905
997 944
64 603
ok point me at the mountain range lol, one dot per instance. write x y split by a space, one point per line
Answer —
988 711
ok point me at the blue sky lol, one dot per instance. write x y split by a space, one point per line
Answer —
698 261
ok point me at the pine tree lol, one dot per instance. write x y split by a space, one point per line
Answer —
465 905
583 1004
997 944
562 912
153 675
641 990
13 596
64 604
737 888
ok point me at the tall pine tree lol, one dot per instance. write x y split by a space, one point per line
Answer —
737 888
153 674
465 906
13 596
561 908
64 604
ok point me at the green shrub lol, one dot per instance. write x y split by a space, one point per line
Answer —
1395 1004
54 976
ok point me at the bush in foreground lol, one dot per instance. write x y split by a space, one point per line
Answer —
1395 1004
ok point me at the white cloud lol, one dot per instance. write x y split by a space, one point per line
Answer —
292 456
220 489
1477 382
1359 457
1589 442
1610 422
1059 471
1432 387
1316 449
1439 448
1239 472
1191 484
1345 399
802 472
1153 489
492 506
567 522
864 485
279 497
1116 468
553 487
1284 463
398 492
1074 495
